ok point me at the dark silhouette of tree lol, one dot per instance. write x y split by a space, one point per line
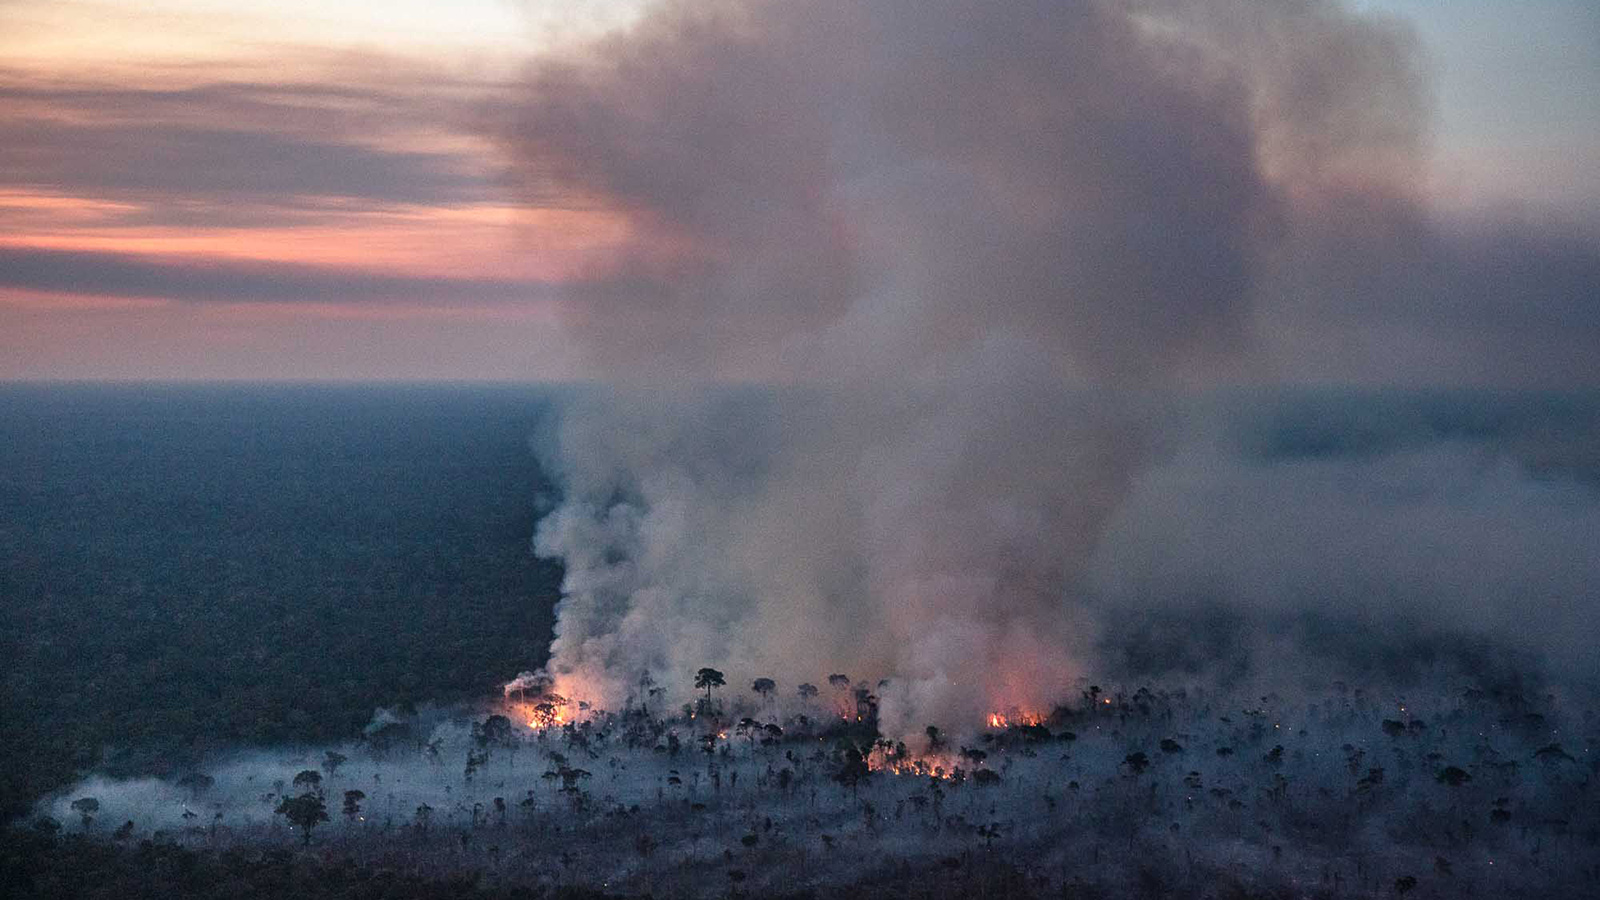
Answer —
310 779
839 682
86 807
764 687
935 739
332 760
495 731
866 703
305 811
853 769
352 804
807 692
1136 762
544 714
1454 776
709 678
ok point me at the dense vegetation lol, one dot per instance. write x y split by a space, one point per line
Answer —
183 568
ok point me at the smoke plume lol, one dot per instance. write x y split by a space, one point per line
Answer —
961 256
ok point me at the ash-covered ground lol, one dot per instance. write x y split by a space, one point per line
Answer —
1123 791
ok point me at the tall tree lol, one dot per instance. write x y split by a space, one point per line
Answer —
764 687
709 678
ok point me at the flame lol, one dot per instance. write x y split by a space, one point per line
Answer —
543 714
932 766
1014 717
547 700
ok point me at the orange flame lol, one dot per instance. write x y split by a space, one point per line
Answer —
540 716
1014 717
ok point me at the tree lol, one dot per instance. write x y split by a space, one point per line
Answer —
305 811
495 730
310 779
86 807
352 804
839 682
709 678
808 692
545 714
866 703
332 760
853 770
764 687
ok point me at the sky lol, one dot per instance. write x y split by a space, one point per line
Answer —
198 190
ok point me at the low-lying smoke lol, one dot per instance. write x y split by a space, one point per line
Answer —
975 242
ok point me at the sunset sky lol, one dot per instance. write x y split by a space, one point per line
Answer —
193 189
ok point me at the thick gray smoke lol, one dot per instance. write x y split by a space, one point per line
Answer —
964 247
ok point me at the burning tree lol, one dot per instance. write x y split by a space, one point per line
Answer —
548 711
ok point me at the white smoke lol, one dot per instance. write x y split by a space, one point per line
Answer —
971 242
